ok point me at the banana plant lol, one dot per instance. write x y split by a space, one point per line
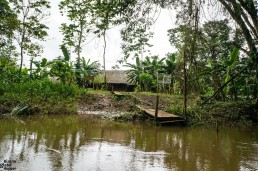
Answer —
232 62
41 69
231 67
63 68
88 70
134 71
153 64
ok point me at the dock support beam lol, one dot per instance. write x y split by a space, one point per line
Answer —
156 108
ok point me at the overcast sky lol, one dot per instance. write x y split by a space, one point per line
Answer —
94 49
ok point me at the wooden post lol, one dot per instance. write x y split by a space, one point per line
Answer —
112 89
185 84
157 108
157 100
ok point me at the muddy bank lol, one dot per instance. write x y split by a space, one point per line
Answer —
109 103
105 104
223 113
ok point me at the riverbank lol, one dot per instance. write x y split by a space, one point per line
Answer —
45 97
108 106
38 97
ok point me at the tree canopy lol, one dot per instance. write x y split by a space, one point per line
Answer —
218 53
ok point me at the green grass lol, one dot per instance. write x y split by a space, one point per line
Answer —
41 97
91 91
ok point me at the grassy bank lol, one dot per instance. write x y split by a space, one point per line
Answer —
217 112
47 97
224 113
38 97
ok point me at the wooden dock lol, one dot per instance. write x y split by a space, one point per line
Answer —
163 117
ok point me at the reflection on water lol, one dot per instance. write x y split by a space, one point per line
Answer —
82 143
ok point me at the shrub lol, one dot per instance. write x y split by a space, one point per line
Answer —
42 96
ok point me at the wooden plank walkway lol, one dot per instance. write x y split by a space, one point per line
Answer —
163 117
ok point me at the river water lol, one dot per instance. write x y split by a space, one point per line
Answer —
81 143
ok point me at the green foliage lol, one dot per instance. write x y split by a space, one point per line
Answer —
106 13
62 68
147 69
234 59
40 72
170 61
147 81
137 19
136 42
178 36
88 71
212 49
80 15
65 53
39 96
30 29
211 60
8 23
175 109
134 71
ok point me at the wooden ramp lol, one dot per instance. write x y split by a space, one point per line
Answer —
163 117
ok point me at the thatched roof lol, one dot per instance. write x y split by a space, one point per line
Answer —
114 76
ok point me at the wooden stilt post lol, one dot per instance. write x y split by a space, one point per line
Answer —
157 108
157 100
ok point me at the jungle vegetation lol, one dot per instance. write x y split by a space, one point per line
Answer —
215 58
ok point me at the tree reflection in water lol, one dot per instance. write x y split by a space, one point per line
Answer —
77 142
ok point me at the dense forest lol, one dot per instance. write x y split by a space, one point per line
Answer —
216 59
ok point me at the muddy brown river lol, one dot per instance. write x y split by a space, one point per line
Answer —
67 143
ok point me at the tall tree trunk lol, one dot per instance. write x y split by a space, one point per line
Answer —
104 59
79 80
21 43
21 62
79 43
256 86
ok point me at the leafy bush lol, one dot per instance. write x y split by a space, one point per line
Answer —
42 96
147 81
